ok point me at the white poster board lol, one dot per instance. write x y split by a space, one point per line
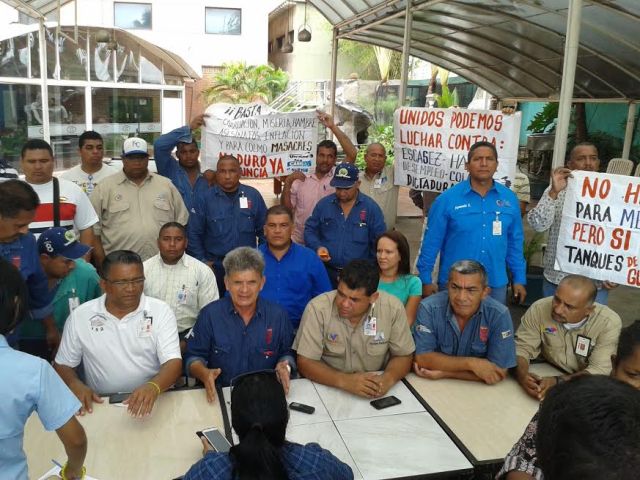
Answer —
431 144
267 143
600 229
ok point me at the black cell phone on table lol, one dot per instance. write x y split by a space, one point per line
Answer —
118 397
216 439
301 407
385 402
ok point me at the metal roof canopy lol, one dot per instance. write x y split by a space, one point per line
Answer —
37 8
511 48
514 49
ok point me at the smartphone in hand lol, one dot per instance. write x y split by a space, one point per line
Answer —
216 439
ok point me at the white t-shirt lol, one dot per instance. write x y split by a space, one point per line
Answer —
76 210
119 355
87 182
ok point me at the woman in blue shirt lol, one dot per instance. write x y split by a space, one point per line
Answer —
392 254
31 384
259 416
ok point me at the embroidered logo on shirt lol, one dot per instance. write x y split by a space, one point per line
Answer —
332 337
422 328
465 205
484 334
97 323
551 330
379 338
506 334
363 218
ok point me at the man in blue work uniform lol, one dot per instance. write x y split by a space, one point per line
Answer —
476 219
463 333
18 203
294 273
344 226
228 215
241 332
185 174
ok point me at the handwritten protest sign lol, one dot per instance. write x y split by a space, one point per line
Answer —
600 228
267 143
431 144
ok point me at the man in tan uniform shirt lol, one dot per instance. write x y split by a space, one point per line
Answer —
133 204
571 331
377 181
349 334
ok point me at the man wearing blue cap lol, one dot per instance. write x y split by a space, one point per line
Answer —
344 226
73 280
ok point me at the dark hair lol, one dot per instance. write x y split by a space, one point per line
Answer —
361 274
629 340
469 267
183 144
16 196
582 282
177 225
88 135
478 145
12 287
36 144
581 144
589 429
280 210
259 416
328 144
229 157
403 249
126 257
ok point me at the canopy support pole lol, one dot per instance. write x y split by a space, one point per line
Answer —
406 52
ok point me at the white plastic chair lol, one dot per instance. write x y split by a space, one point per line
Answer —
620 166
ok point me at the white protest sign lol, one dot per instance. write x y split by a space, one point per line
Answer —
431 144
600 229
267 143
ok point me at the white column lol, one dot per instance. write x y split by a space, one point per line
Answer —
406 51
44 91
334 70
628 132
572 43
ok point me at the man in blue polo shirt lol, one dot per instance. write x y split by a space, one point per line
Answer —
294 274
185 174
344 226
476 219
227 216
18 203
462 332
241 332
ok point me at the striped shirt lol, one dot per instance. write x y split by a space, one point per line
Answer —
76 211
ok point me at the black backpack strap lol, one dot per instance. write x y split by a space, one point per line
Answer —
56 202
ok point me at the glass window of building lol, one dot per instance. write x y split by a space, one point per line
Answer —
132 16
122 113
223 21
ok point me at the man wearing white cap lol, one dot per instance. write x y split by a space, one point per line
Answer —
133 204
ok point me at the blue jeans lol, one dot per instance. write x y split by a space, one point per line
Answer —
549 289
499 294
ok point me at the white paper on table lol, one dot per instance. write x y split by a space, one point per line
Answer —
55 473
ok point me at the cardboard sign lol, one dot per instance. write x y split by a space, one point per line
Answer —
431 145
600 229
267 143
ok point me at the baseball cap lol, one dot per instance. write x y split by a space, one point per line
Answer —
134 146
60 241
345 175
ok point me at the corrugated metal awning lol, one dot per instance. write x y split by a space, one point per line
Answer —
511 48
